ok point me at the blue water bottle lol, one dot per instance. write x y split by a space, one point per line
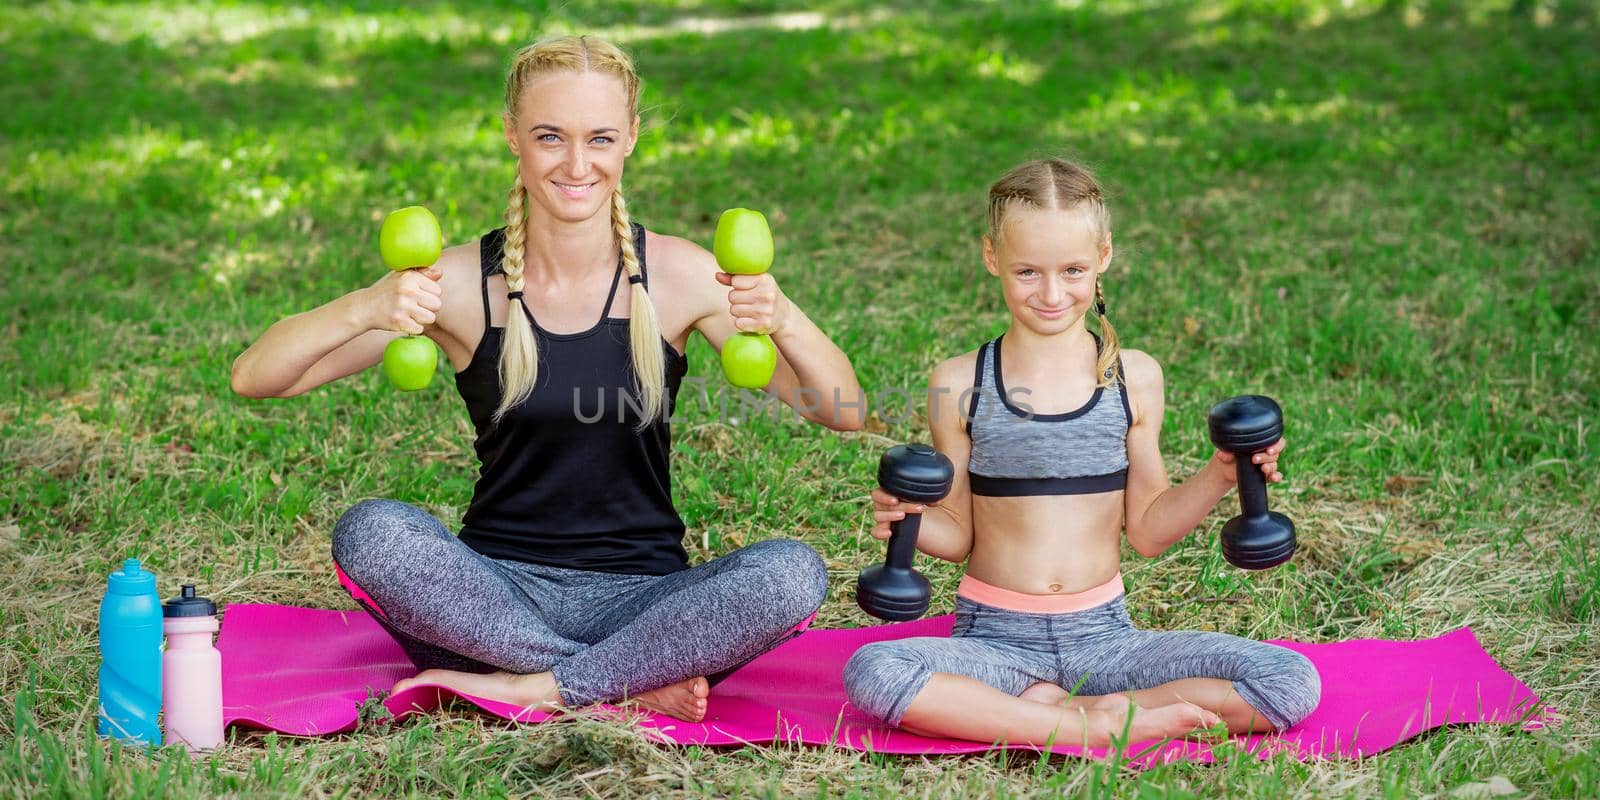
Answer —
130 656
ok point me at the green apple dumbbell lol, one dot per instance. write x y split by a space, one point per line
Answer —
743 246
410 239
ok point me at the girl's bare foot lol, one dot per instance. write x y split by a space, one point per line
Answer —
536 691
1113 702
1047 693
684 700
1163 722
1053 695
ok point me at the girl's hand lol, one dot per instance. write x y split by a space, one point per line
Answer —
405 300
887 508
1267 459
758 306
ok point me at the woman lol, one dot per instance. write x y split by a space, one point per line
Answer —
569 584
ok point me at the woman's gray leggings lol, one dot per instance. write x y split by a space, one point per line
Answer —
1092 652
605 635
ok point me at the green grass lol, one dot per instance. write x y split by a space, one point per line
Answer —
1385 215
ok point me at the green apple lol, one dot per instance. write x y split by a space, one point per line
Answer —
409 361
410 238
744 242
749 359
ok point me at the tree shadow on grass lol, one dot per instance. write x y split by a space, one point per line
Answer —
873 140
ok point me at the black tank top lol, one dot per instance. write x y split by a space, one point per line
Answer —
566 482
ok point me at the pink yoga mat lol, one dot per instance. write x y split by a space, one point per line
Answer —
305 671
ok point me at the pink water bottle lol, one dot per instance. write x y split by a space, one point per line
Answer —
191 673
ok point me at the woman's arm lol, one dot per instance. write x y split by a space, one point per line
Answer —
1159 514
946 530
814 377
304 351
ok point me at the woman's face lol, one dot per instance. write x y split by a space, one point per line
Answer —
572 133
1048 262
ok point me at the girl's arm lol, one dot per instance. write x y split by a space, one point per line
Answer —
946 530
299 353
1158 513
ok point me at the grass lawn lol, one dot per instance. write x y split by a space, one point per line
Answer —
1383 214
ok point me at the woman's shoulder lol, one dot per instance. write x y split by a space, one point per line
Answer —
674 257
683 271
460 284
461 265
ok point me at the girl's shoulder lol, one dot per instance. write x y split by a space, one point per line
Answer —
1145 385
1140 370
957 372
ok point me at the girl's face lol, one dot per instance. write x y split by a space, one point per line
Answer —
1048 262
571 136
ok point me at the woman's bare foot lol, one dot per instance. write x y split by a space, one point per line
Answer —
536 691
684 700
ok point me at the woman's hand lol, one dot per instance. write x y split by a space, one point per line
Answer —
1267 459
757 305
404 300
887 508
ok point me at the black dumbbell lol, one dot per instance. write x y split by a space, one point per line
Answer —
893 591
1244 426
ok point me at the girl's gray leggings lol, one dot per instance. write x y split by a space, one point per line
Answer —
1094 652
605 635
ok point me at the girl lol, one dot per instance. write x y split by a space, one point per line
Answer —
1054 434
568 584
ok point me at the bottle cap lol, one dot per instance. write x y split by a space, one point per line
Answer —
187 605
131 579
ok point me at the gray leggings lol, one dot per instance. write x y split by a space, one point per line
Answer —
605 635
1094 652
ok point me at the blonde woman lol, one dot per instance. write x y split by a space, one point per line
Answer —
568 584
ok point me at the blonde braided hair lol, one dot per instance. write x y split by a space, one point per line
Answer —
519 357
1057 184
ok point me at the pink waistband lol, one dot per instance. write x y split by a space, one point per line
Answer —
979 592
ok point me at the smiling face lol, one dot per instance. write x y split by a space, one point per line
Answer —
1048 261
571 134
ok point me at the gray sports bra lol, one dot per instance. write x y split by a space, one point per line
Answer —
1021 453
